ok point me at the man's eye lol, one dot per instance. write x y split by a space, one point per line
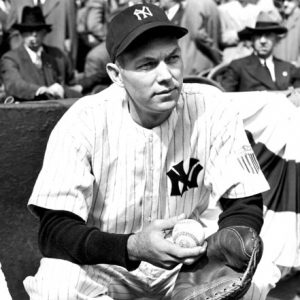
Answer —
147 66
173 58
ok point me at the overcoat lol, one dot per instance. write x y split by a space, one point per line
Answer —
200 47
22 78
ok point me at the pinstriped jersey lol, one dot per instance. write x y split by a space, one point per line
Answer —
119 176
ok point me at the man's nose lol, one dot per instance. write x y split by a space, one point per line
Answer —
163 72
263 38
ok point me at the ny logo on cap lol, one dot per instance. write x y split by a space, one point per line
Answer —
143 13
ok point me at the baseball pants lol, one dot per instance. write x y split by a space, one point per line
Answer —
62 280
5 295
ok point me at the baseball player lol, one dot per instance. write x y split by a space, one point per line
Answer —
123 166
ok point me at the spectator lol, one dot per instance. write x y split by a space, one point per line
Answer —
200 47
261 70
5 7
120 168
4 40
288 47
91 27
60 13
96 58
35 70
235 15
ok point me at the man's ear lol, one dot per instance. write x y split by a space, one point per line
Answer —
114 73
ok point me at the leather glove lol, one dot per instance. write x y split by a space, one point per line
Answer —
225 271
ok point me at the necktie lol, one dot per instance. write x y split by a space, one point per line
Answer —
267 69
38 61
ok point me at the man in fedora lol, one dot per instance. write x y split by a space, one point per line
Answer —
261 70
35 71
60 13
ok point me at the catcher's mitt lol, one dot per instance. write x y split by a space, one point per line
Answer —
225 271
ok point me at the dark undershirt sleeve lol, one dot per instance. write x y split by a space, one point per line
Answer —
247 211
64 235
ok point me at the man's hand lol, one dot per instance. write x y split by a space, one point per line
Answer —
76 88
57 90
150 245
226 270
42 90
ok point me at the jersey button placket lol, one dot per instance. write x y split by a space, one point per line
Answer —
149 184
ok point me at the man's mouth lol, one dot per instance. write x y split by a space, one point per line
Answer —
164 92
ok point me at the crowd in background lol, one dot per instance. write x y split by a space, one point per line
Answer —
78 29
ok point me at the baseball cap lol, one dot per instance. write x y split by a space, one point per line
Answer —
134 21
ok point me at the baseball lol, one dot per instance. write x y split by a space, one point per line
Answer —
188 233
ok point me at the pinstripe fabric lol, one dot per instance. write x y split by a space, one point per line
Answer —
4 292
102 166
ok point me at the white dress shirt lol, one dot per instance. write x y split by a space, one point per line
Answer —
36 2
35 56
269 63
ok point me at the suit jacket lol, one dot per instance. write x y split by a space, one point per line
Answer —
200 47
22 78
61 14
247 74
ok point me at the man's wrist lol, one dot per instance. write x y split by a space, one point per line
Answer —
132 261
132 248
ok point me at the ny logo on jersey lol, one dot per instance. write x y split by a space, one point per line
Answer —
143 13
189 180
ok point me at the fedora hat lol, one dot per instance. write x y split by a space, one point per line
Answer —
265 23
32 19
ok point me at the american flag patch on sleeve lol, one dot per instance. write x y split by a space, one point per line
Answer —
248 160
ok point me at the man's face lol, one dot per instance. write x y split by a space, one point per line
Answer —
288 6
152 77
264 44
34 39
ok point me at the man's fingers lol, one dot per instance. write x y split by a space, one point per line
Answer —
182 253
168 224
198 253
